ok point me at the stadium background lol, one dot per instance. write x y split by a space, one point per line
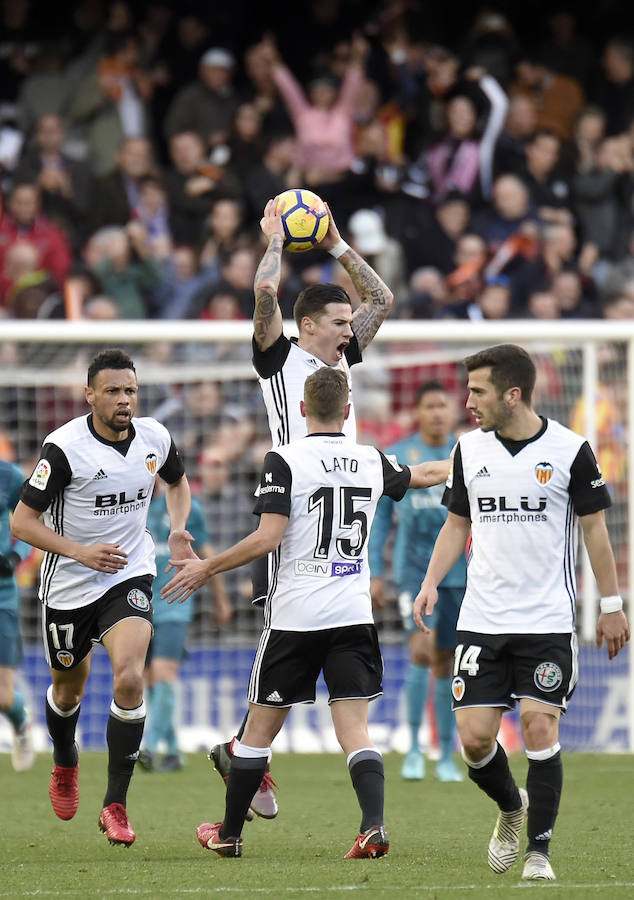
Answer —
205 392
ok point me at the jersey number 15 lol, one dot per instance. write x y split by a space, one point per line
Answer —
323 500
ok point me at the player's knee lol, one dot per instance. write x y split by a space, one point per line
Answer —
539 730
67 697
128 686
476 742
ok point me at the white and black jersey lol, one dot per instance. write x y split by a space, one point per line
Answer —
93 490
523 499
282 370
328 486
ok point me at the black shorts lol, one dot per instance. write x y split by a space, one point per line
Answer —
69 634
287 665
498 669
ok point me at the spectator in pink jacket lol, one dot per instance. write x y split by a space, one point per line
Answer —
323 119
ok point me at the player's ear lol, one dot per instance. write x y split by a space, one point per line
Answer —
88 394
302 408
513 396
307 324
346 412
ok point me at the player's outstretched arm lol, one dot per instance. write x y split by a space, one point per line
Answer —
612 627
267 317
450 543
195 572
178 500
376 297
427 474
27 526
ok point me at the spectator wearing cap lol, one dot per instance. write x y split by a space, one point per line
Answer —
384 253
206 106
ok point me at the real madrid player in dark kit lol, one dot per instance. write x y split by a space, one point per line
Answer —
521 484
316 502
86 506
331 333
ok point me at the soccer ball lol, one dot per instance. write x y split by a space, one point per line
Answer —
304 217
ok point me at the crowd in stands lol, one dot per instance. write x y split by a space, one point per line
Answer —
483 167
480 157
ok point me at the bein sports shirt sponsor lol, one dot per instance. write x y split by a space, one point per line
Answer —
328 487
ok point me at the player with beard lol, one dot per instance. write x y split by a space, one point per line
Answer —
521 484
86 505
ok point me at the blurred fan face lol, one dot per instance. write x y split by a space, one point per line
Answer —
461 117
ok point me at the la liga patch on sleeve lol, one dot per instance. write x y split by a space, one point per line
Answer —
41 474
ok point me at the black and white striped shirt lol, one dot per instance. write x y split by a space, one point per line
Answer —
282 370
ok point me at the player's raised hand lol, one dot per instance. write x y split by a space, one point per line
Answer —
192 575
614 629
103 558
424 605
180 544
332 235
271 221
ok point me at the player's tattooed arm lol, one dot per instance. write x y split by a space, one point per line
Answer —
376 297
267 318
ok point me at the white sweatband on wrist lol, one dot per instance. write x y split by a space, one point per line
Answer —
611 604
339 249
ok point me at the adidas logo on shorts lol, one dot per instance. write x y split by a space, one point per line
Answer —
274 698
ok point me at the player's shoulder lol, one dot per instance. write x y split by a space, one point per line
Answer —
564 436
469 440
69 433
146 426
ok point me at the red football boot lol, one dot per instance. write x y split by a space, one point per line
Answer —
371 845
113 820
63 789
209 837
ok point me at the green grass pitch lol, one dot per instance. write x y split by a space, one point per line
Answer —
439 835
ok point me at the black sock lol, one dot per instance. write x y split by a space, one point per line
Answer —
123 734
62 732
543 783
368 779
244 780
496 781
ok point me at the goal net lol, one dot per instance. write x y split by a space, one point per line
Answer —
197 378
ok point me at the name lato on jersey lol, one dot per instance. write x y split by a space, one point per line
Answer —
340 464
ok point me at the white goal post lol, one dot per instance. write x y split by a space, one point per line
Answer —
586 371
